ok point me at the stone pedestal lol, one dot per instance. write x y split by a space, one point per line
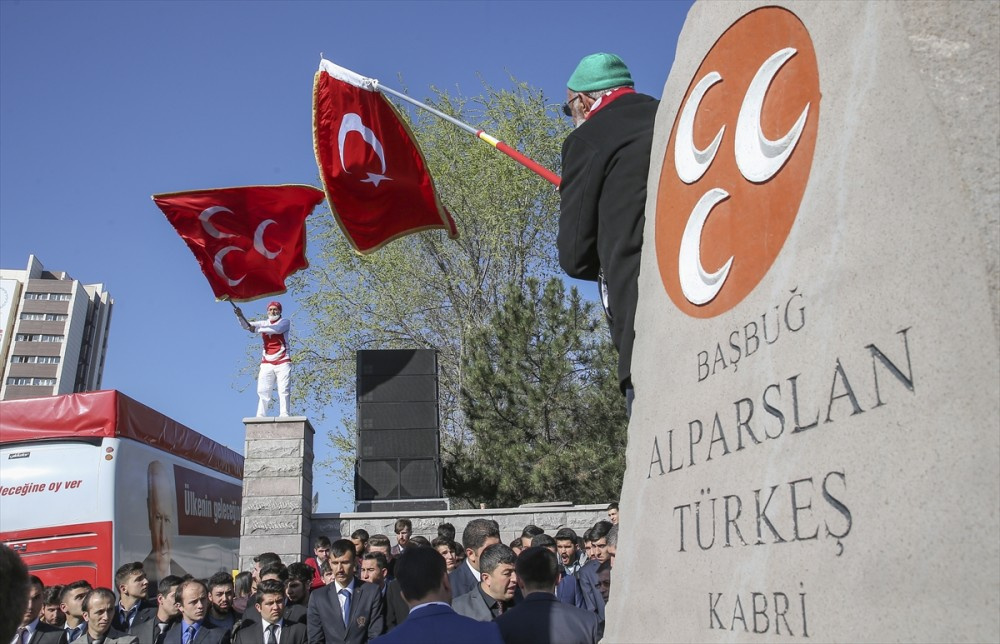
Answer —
277 488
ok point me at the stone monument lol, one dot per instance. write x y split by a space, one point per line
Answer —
814 452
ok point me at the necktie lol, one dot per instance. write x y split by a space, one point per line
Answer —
20 638
163 629
271 637
347 605
188 634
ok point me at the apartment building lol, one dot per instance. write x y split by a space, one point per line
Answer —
53 332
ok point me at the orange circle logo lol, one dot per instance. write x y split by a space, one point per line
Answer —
737 162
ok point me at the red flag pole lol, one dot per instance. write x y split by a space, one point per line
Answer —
534 166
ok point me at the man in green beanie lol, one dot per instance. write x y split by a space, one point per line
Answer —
605 161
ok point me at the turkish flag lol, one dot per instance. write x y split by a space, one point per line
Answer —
248 240
375 176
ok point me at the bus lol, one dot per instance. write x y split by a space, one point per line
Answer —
93 480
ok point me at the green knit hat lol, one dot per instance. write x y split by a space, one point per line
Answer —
599 71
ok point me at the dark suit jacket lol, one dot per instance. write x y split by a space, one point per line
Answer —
439 624
145 606
542 619
326 625
396 608
248 632
462 580
293 613
207 634
144 627
45 634
591 594
472 604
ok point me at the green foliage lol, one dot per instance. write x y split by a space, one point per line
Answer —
542 403
425 290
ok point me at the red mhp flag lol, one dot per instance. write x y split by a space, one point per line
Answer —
375 176
248 239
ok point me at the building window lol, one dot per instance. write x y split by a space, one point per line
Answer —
35 359
32 316
45 317
39 382
38 337
59 297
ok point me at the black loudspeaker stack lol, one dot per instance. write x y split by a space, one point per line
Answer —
399 453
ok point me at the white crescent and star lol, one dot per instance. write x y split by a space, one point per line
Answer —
218 264
258 240
758 157
206 221
352 123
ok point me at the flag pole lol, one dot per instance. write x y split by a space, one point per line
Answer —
532 165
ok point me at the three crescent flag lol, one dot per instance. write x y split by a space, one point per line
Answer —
375 176
248 240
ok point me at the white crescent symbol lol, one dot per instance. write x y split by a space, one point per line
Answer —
698 285
758 157
218 265
352 123
258 240
691 163
206 215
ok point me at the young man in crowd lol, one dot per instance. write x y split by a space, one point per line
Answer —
321 552
32 629
220 600
297 592
374 570
570 556
586 576
495 593
349 610
424 584
132 585
71 604
612 544
403 529
477 536
261 561
98 612
272 628
541 618
613 513
194 628
447 548
152 627
360 540
51 613
529 532
567 588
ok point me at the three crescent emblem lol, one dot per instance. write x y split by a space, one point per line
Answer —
258 242
757 157
352 123
742 146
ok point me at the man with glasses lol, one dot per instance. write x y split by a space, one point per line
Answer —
276 363
605 162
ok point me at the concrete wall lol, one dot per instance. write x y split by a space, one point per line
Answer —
549 517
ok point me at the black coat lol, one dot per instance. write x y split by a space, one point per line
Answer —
605 164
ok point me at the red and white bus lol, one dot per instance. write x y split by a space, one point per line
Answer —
93 480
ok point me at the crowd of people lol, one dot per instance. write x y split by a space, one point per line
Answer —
538 588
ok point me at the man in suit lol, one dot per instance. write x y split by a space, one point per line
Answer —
495 593
423 579
132 585
193 628
98 612
269 600
151 626
348 611
297 591
477 536
566 588
541 618
403 529
71 604
32 630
